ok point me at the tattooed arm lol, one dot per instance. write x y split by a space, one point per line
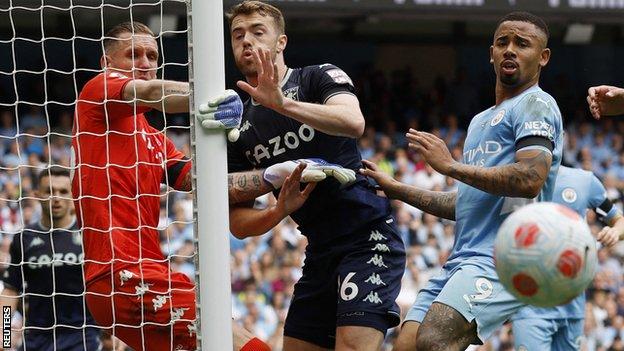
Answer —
246 221
524 178
243 187
163 95
437 203
246 186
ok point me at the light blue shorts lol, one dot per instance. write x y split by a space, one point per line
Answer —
548 334
471 288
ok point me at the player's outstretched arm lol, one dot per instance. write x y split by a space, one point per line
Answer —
524 178
340 115
605 100
247 186
246 221
163 95
437 203
242 186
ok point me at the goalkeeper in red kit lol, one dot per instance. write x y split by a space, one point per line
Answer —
119 163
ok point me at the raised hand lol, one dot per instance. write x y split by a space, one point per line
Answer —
608 236
268 92
291 198
432 149
382 178
605 100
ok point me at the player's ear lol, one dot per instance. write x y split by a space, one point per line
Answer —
545 57
492 54
282 40
104 61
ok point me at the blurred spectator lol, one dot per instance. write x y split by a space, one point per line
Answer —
428 178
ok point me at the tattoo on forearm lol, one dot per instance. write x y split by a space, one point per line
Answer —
256 181
242 182
521 179
246 186
440 204
175 91
437 203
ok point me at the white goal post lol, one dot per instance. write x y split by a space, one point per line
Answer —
207 74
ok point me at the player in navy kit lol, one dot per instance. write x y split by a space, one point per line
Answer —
46 259
355 259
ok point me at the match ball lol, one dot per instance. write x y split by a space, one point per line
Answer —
545 254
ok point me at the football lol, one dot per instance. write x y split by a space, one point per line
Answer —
545 254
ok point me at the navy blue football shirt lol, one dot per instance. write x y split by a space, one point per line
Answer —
268 137
47 266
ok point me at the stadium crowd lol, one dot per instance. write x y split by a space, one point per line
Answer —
265 268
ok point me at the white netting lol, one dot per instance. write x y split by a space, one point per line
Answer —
48 51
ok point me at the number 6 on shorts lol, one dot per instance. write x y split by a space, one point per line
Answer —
347 285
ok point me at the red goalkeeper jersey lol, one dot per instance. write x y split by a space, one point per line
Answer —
120 162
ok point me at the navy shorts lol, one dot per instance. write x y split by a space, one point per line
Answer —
351 281
74 340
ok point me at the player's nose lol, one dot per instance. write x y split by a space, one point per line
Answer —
510 51
247 40
143 62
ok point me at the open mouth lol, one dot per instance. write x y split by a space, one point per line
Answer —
509 67
247 54
141 75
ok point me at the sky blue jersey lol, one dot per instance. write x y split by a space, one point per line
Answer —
580 190
492 140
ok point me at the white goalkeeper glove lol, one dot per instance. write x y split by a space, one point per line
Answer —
317 169
343 175
277 173
223 112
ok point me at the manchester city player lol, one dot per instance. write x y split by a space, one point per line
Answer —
46 266
561 328
511 155
355 259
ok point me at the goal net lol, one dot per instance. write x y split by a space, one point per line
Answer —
49 51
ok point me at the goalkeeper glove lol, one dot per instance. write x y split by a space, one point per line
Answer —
317 169
277 173
223 112
343 175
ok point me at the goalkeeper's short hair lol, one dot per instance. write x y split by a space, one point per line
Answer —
124 27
